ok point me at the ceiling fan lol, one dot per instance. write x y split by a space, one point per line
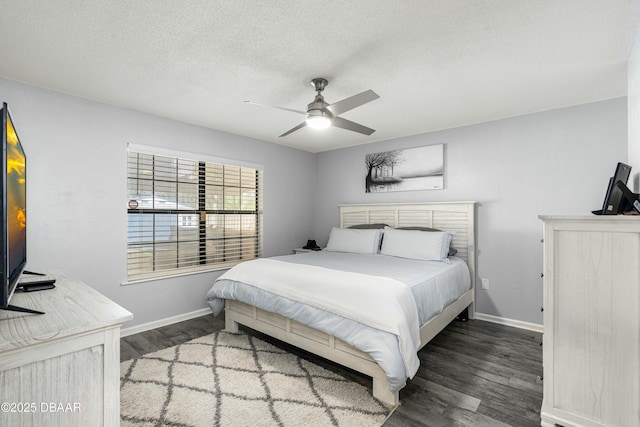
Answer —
320 114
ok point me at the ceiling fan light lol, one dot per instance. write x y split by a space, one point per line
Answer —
318 122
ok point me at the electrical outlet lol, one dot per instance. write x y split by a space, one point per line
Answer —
485 283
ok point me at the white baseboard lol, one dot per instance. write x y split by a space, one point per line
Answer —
125 332
510 322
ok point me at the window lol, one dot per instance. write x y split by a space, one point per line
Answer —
189 215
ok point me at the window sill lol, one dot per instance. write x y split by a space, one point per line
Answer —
159 277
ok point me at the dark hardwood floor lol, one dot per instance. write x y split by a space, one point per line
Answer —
473 373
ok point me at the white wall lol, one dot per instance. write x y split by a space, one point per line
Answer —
77 191
555 162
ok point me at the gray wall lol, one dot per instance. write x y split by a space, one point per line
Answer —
633 94
554 162
76 153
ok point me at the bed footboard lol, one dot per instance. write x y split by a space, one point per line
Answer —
312 340
330 347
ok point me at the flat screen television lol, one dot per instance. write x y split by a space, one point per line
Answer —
614 197
13 230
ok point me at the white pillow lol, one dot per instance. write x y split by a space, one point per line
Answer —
360 241
415 244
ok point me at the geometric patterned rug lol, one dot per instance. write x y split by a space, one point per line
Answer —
227 379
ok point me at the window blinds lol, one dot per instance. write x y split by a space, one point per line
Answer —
187 215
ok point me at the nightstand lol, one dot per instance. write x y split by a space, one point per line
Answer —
302 250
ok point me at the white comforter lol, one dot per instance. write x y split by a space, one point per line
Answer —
379 302
433 285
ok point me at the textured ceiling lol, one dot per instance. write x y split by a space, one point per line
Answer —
436 64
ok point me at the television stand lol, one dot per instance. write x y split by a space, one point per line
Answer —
67 363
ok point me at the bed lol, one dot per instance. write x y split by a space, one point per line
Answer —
273 295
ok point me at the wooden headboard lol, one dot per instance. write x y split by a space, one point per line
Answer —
455 216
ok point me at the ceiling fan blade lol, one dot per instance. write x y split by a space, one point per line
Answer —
352 102
300 126
273 106
339 122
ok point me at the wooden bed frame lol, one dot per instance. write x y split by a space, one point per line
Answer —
457 216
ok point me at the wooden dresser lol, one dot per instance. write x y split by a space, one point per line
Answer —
61 368
591 345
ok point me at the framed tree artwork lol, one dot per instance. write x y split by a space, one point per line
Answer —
409 169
